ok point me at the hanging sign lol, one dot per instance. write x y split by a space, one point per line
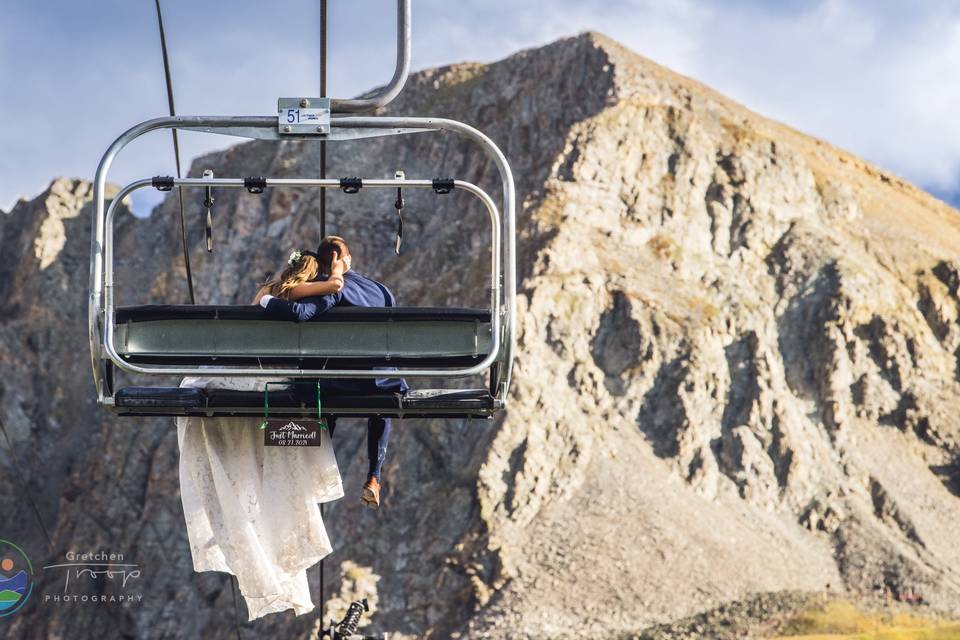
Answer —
296 432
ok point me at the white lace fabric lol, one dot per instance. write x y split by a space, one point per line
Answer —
252 510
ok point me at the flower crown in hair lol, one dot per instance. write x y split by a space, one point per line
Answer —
297 255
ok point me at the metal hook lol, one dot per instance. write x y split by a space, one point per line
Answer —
398 205
208 203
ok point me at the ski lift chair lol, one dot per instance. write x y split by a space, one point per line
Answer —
228 341
350 342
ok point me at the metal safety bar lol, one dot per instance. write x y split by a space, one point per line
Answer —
109 307
350 127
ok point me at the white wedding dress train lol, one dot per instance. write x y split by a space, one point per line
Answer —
252 510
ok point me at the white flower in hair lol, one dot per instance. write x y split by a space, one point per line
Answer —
294 257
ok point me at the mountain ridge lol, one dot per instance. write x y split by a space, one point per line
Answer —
736 366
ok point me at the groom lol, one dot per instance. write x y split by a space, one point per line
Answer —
334 257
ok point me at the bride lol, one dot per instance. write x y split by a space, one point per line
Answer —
299 278
252 510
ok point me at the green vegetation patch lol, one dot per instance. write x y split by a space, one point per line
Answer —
843 621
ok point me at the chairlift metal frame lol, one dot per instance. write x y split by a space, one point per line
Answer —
123 361
101 309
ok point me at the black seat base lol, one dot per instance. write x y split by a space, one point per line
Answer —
186 401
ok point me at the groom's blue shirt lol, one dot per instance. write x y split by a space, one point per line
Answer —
357 291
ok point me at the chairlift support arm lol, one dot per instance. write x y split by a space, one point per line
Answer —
385 94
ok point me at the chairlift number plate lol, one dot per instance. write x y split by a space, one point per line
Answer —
284 432
303 116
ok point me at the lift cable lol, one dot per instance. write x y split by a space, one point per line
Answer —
183 227
26 488
323 224
323 94
176 151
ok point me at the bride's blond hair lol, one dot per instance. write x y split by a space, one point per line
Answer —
301 268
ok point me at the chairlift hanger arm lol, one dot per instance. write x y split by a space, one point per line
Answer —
387 93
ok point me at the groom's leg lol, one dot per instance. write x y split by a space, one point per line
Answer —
378 436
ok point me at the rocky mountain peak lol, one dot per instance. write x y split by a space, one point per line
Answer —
737 366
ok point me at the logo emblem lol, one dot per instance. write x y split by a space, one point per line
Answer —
16 578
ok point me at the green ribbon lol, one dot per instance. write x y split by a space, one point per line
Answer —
266 401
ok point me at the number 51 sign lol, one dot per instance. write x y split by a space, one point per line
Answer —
303 116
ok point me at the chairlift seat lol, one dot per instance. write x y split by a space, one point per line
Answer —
343 337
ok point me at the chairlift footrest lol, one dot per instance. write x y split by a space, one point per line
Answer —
188 401
161 397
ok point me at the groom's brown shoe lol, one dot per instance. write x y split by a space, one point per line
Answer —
370 496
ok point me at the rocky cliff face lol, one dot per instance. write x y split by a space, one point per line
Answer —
737 369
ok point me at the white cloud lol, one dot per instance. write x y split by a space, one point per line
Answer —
878 84
877 78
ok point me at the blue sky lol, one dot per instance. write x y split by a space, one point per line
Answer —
879 78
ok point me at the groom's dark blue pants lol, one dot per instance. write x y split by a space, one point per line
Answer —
378 428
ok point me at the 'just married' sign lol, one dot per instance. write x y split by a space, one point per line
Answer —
284 432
